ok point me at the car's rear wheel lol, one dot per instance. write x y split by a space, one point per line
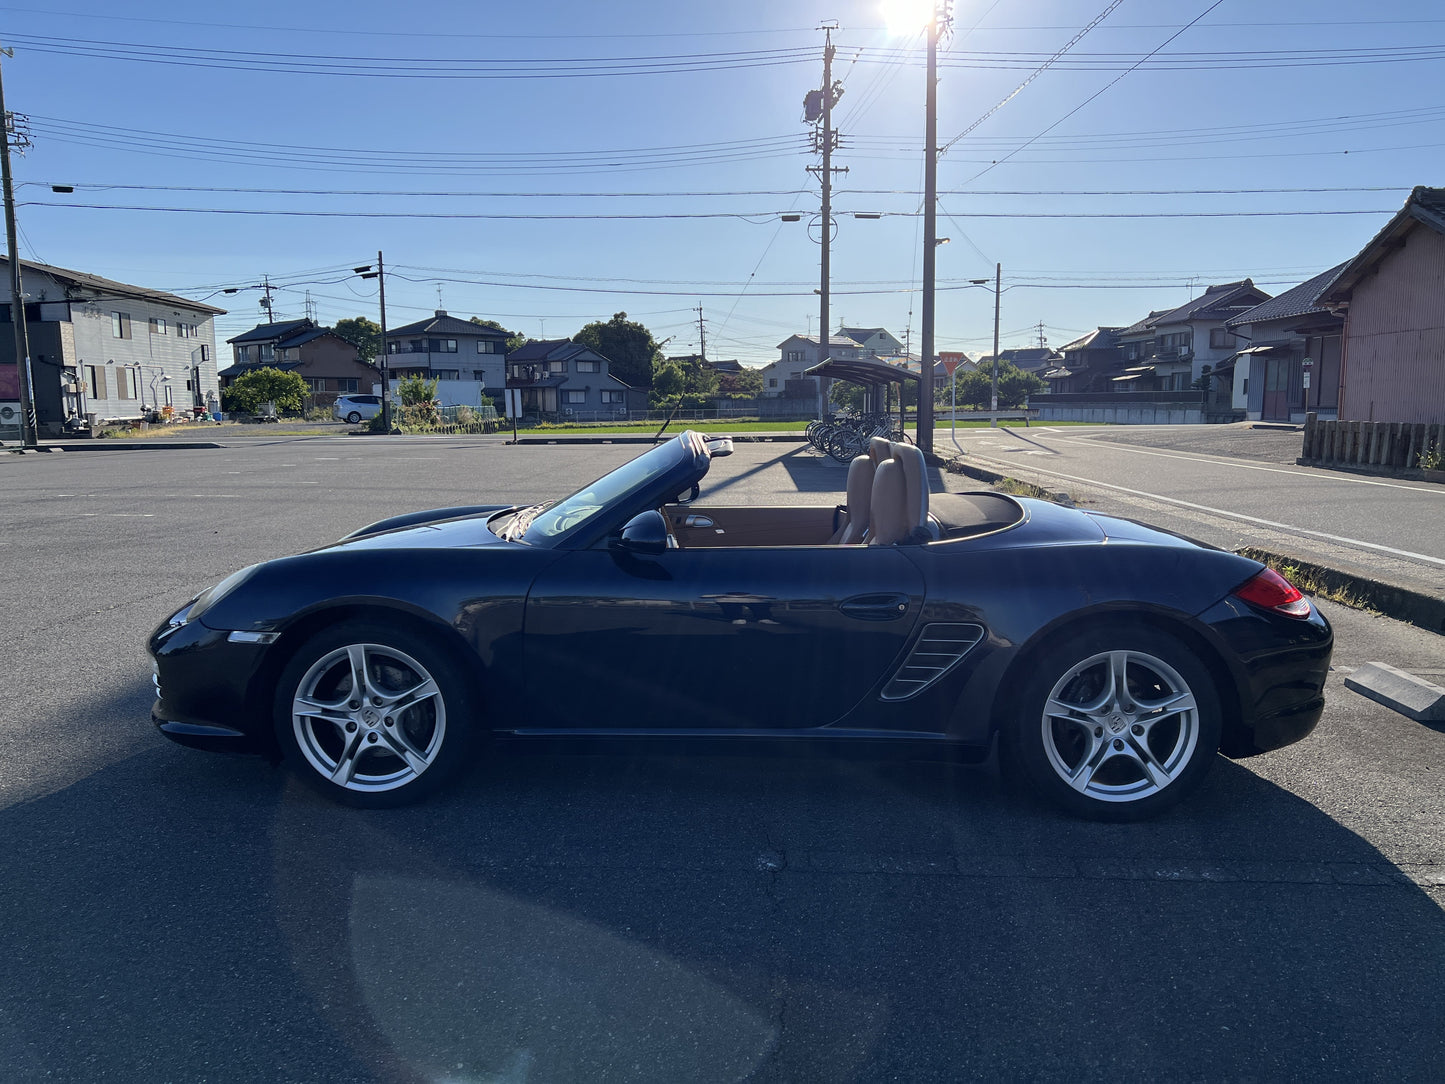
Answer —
373 716
353 417
1116 723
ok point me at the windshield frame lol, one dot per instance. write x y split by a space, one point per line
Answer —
604 505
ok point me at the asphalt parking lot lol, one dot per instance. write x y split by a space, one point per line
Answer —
172 915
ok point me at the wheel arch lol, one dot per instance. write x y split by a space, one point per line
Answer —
301 629
1228 683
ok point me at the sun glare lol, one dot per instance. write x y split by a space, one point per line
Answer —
907 16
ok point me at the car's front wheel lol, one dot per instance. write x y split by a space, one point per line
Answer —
1116 724
353 417
373 716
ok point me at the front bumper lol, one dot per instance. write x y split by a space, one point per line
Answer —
210 692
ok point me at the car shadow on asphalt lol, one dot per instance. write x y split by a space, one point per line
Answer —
654 916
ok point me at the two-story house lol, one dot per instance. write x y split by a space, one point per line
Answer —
1170 349
874 341
1089 363
566 379
784 377
446 348
327 362
107 349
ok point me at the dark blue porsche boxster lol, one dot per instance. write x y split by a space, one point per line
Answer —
1109 661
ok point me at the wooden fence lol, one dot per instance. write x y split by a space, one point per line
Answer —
1388 445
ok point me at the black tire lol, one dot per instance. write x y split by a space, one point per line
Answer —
411 732
1113 757
353 418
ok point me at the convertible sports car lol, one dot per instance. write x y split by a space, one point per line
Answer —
1109 660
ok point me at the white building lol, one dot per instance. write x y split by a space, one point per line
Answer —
107 349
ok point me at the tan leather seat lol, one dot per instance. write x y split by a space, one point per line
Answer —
915 476
890 523
860 501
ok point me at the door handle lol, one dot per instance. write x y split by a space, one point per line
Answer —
695 520
875 607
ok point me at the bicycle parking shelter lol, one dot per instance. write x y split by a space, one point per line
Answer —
876 377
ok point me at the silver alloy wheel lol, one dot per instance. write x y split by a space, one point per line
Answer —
353 418
368 717
1120 726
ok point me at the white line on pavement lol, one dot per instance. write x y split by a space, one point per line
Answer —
1229 462
1241 516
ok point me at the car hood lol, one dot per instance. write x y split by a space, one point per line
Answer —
467 530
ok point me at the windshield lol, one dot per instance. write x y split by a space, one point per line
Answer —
611 489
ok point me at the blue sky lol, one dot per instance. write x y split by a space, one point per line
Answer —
521 114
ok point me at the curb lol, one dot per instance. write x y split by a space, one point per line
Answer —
116 445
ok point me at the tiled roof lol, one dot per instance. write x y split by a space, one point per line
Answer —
1299 301
1212 301
251 366
1426 206
1139 327
1101 338
443 324
833 340
267 332
537 349
110 287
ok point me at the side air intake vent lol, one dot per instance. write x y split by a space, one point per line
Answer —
937 651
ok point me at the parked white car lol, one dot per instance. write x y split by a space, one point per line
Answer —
356 408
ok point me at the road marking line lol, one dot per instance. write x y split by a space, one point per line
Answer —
1230 462
1242 516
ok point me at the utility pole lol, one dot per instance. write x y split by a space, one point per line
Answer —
266 302
930 230
825 141
380 275
701 334
993 398
28 424
1043 339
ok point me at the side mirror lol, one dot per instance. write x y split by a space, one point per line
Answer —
645 533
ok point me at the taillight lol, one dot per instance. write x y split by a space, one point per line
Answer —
1272 591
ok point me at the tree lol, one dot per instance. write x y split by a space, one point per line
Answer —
416 389
515 339
975 389
689 381
745 384
627 345
249 390
362 333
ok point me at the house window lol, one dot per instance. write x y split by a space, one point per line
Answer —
442 346
479 374
120 325
613 398
772 382
574 398
1220 337
446 374
125 383
556 366
268 351
484 347
243 354
348 384
589 366
315 384
158 326
795 355
95 374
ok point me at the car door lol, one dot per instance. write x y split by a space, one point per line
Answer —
717 638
